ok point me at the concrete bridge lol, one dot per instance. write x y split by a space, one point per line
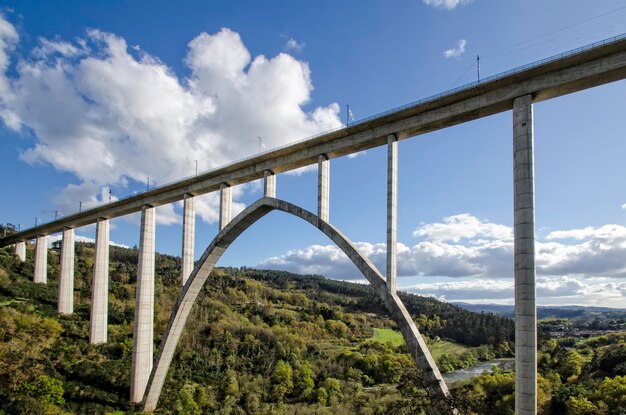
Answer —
516 90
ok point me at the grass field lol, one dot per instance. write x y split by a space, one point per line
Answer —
436 348
388 335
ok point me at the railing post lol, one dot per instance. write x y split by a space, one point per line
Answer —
144 309
100 286
41 260
226 201
392 211
269 184
323 187
524 247
65 302
189 229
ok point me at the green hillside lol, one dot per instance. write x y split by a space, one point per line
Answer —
257 342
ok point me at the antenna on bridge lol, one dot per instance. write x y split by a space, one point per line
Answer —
349 115
35 221
56 214
261 145
478 67
196 167
80 207
109 195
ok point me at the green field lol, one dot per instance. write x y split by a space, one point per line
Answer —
388 335
436 348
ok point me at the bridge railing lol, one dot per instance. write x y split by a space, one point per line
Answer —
421 101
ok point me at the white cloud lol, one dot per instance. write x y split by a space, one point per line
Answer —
624 206
445 4
486 252
113 116
456 51
79 238
554 290
462 226
293 44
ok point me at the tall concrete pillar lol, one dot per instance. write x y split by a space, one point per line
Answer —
144 309
65 303
41 260
524 241
100 287
269 184
20 250
226 201
189 235
323 187
392 211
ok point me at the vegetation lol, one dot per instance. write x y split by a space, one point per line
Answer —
269 342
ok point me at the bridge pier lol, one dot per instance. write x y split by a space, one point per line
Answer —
226 201
323 187
20 250
524 242
65 301
100 286
392 211
269 184
41 260
189 235
144 308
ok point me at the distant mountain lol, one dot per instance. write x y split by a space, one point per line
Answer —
566 311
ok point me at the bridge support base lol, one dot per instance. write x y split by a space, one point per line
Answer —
41 260
100 285
65 303
524 239
20 250
144 309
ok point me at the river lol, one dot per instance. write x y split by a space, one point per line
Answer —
464 374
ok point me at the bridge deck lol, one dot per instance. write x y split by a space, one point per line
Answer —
573 71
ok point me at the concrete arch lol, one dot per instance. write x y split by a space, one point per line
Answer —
218 246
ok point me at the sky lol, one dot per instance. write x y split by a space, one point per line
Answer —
104 99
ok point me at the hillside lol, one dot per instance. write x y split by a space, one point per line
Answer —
269 342
257 342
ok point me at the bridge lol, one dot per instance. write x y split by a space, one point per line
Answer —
593 65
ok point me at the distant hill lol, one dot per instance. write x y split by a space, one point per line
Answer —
567 311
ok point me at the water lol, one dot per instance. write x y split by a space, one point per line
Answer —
479 369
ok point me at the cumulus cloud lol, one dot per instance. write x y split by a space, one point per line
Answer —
445 4
79 238
551 290
462 226
624 206
293 44
456 51
113 115
464 246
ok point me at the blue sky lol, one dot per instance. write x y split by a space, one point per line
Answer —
104 95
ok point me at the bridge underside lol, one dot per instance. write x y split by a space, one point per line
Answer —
415 343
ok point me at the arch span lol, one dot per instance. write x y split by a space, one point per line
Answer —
186 299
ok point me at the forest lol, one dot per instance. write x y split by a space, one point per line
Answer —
271 342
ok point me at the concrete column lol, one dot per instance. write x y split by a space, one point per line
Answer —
269 184
100 287
323 187
189 235
226 200
65 303
392 211
524 242
41 260
20 250
144 309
